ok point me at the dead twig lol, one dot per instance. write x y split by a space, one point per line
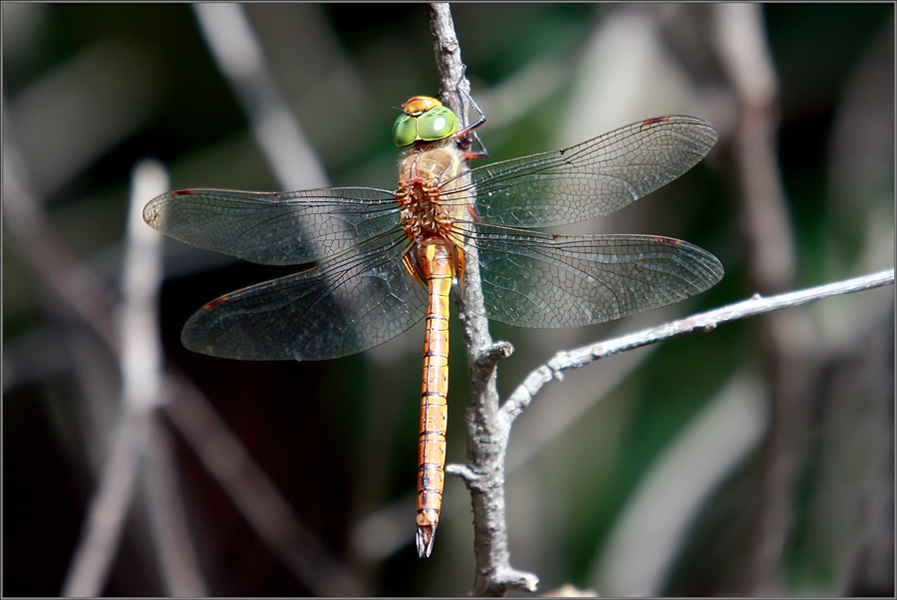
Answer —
488 429
706 321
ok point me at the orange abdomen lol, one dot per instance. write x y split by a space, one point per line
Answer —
435 257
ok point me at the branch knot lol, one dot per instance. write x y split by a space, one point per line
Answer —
490 355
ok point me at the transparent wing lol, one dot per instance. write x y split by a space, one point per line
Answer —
533 279
591 179
274 228
345 305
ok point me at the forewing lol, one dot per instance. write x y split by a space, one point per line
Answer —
274 228
591 179
345 305
531 279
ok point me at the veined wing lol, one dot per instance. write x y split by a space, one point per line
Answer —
272 228
345 305
535 279
590 179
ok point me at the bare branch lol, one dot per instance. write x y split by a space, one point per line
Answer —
455 88
141 368
77 292
107 511
748 61
141 354
239 55
707 321
81 295
788 357
170 523
488 431
139 361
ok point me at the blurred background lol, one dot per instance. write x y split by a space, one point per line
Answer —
753 460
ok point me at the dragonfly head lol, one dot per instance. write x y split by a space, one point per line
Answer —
424 119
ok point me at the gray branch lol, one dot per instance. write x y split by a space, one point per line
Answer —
240 57
488 429
707 321
489 424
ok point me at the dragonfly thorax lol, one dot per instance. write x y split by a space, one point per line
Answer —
425 215
421 213
423 173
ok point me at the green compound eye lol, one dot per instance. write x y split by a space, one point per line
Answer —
425 120
404 132
437 124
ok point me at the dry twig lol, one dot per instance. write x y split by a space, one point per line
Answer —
706 321
489 425
488 430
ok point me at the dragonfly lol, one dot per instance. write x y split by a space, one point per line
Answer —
379 261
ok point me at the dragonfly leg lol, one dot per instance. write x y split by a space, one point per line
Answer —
469 131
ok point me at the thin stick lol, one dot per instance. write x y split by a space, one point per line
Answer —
77 292
139 357
241 60
789 360
141 367
108 508
707 321
488 432
240 57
